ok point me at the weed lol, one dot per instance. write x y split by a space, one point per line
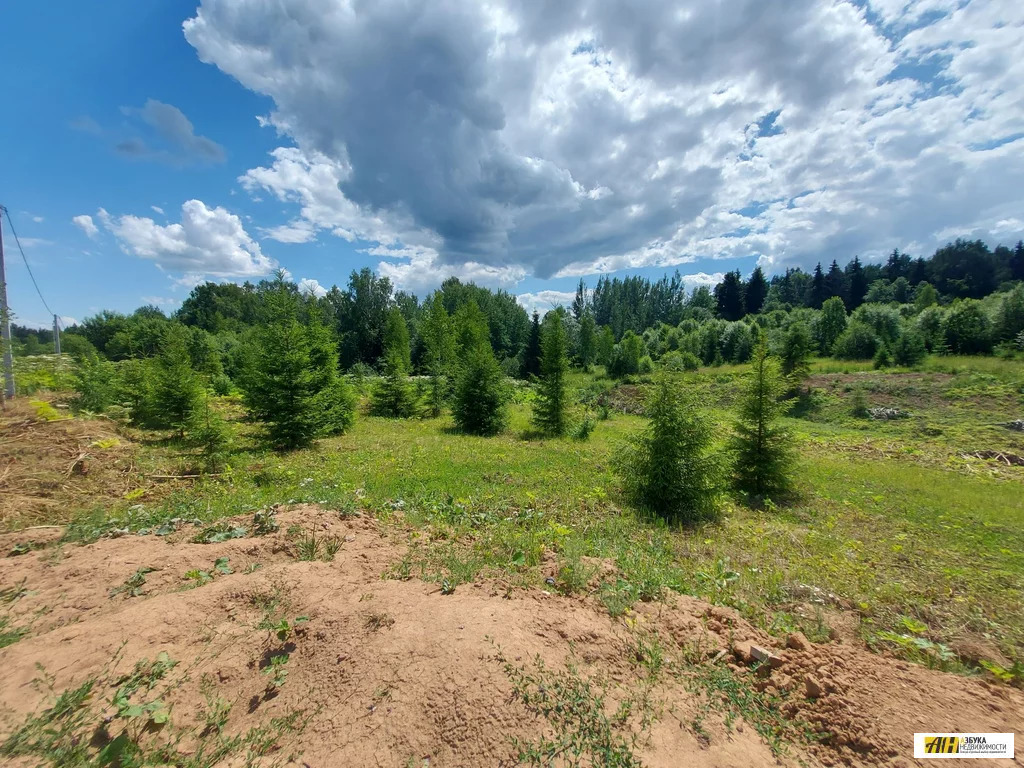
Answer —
220 532
584 730
276 671
264 522
132 586
310 548
10 635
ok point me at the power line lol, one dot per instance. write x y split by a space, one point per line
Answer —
22 250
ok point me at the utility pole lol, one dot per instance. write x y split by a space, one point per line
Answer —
56 335
5 322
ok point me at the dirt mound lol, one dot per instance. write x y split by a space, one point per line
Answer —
323 662
51 463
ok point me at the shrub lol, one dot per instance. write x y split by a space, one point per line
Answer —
222 385
211 434
680 361
646 365
626 356
480 394
669 467
764 455
967 329
882 359
549 407
858 342
830 324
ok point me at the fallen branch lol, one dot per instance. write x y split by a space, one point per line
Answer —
183 477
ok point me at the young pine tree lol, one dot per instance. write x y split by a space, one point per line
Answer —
796 353
480 392
532 353
764 456
394 396
177 388
211 435
439 342
290 379
550 406
669 467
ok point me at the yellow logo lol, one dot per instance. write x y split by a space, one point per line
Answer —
941 745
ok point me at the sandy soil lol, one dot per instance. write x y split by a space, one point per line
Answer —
395 673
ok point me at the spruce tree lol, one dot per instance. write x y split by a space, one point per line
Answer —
729 296
796 352
394 396
857 282
550 405
531 356
755 292
177 387
669 467
439 346
762 446
480 393
289 376
817 294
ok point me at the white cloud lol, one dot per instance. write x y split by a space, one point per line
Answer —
85 223
157 209
161 301
38 219
209 242
310 286
504 139
542 301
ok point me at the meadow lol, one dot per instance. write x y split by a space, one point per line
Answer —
906 533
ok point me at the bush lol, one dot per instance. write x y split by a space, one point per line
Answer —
584 428
857 342
762 446
882 359
909 349
626 356
222 385
859 404
646 365
480 394
669 467
796 352
211 434
967 329
680 361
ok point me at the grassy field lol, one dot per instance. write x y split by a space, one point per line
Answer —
902 534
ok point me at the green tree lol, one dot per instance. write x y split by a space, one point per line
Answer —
394 396
532 353
290 378
587 341
1010 319
626 358
549 408
857 282
925 296
796 353
830 325
755 292
729 296
480 393
909 349
439 349
762 446
177 386
669 467
967 329
817 292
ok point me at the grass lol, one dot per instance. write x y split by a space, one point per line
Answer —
893 523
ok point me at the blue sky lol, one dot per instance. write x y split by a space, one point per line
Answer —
148 146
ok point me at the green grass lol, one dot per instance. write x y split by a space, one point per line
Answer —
892 521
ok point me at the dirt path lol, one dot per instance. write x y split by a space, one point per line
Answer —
394 673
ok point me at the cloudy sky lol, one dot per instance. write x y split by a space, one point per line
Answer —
520 144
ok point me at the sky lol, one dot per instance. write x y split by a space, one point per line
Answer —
148 146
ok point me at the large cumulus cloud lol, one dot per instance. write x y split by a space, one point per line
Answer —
508 137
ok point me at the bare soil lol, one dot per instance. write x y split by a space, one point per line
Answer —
392 672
